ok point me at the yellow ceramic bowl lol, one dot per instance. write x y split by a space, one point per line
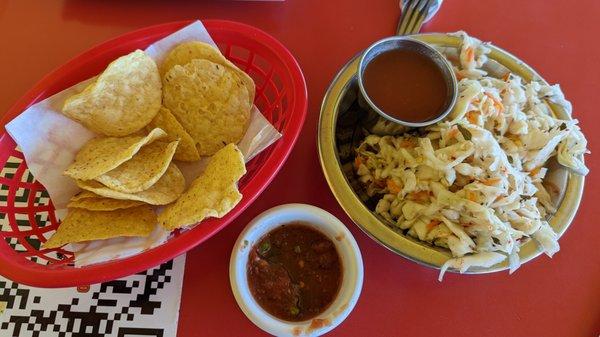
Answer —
570 185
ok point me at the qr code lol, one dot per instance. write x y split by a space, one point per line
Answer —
144 304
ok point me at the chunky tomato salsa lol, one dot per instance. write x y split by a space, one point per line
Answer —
294 272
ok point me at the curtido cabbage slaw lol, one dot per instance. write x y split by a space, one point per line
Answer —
473 183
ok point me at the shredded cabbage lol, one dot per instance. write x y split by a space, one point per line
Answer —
474 184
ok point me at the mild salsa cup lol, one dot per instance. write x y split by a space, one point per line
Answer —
407 81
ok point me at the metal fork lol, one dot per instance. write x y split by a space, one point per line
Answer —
413 15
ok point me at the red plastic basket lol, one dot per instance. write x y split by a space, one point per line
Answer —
26 212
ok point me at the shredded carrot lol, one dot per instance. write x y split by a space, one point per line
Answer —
453 132
490 181
506 77
432 224
470 53
472 116
458 75
408 143
452 58
393 187
492 97
357 162
422 196
499 107
471 195
535 171
497 103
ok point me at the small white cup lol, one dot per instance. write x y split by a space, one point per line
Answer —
352 270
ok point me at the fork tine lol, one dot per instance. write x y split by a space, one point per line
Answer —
413 15
406 15
417 17
406 9
420 17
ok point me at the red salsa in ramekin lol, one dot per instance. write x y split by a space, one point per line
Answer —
294 272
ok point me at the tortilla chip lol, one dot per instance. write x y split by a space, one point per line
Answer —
186 150
83 225
141 171
166 190
211 103
94 202
213 194
103 154
124 98
84 195
185 52
102 204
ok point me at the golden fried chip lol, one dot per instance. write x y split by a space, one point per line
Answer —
142 170
210 102
185 52
124 98
102 204
103 154
84 195
213 194
84 225
186 150
166 190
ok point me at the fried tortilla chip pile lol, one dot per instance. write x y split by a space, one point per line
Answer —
198 104
208 95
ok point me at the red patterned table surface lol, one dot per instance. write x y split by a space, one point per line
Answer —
558 297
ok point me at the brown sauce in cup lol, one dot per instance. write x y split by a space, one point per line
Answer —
294 272
406 85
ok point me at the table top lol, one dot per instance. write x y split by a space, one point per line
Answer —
546 297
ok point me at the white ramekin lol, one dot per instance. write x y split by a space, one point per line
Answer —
347 248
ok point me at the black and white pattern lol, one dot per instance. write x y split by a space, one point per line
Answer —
145 304
10 167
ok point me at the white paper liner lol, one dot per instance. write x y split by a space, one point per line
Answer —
104 250
50 141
